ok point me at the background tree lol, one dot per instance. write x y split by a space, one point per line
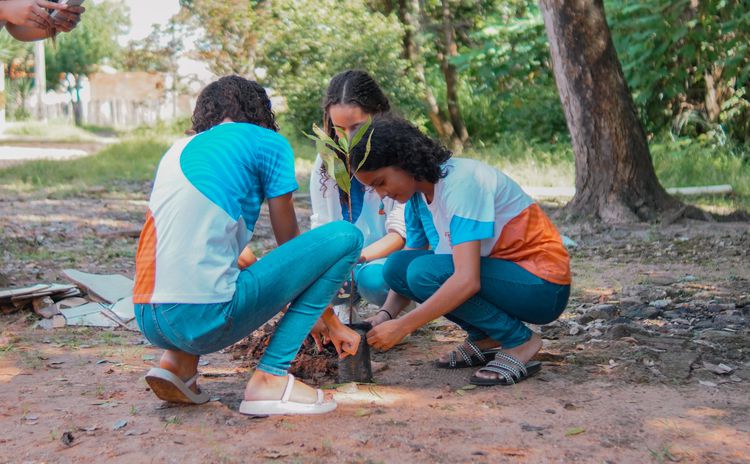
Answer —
302 51
615 178
77 54
231 31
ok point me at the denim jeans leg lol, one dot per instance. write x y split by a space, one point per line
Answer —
306 271
370 282
426 274
394 271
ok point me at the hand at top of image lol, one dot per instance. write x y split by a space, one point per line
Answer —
29 13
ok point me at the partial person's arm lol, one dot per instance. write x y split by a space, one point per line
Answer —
247 258
391 242
283 218
28 20
462 285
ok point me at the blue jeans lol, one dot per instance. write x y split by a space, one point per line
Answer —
510 295
306 271
370 281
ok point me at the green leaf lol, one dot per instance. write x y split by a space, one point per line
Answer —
367 152
343 140
361 132
341 176
323 137
574 431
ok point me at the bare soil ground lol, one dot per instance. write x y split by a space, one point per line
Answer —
631 373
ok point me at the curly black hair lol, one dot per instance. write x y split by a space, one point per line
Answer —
236 98
350 87
395 142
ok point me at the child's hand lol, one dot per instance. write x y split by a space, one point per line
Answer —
345 340
319 333
246 258
386 335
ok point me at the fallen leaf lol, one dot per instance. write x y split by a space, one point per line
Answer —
120 424
148 357
574 431
362 412
468 387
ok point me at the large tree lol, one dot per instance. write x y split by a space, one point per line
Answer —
615 178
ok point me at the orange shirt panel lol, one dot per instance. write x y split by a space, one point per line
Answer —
532 241
145 263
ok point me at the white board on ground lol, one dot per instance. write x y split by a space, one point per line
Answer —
124 309
108 287
88 315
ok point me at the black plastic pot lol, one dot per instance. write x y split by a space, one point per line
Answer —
357 368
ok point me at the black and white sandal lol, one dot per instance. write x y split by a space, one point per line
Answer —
472 357
509 370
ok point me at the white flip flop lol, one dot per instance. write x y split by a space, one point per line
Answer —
169 387
284 406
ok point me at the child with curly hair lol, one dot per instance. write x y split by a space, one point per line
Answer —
495 259
198 286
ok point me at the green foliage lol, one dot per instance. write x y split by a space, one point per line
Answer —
302 51
336 154
682 56
232 29
94 39
508 84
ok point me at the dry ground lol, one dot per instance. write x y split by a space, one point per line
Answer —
628 373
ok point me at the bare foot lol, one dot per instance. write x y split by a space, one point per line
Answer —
523 353
264 386
485 344
181 364
378 318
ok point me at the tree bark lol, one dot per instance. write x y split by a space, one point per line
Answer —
407 9
77 109
615 177
449 50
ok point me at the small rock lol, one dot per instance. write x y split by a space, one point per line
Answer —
67 438
618 331
661 303
719 307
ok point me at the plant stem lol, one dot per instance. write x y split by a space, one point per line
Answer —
351 220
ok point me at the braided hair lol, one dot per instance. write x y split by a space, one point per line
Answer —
350 87
236 98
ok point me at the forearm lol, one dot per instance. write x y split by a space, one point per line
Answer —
330 319
454 292
391 242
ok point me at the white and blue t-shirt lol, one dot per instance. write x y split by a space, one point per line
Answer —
472 202
203 207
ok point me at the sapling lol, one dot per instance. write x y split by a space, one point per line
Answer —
336 154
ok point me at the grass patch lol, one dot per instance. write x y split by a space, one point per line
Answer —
56 132
687 162
127 161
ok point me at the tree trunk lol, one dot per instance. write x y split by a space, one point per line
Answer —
407 9
77 110
449 50
615 177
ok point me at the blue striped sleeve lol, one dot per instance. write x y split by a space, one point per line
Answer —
466 230
415 234
276 166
